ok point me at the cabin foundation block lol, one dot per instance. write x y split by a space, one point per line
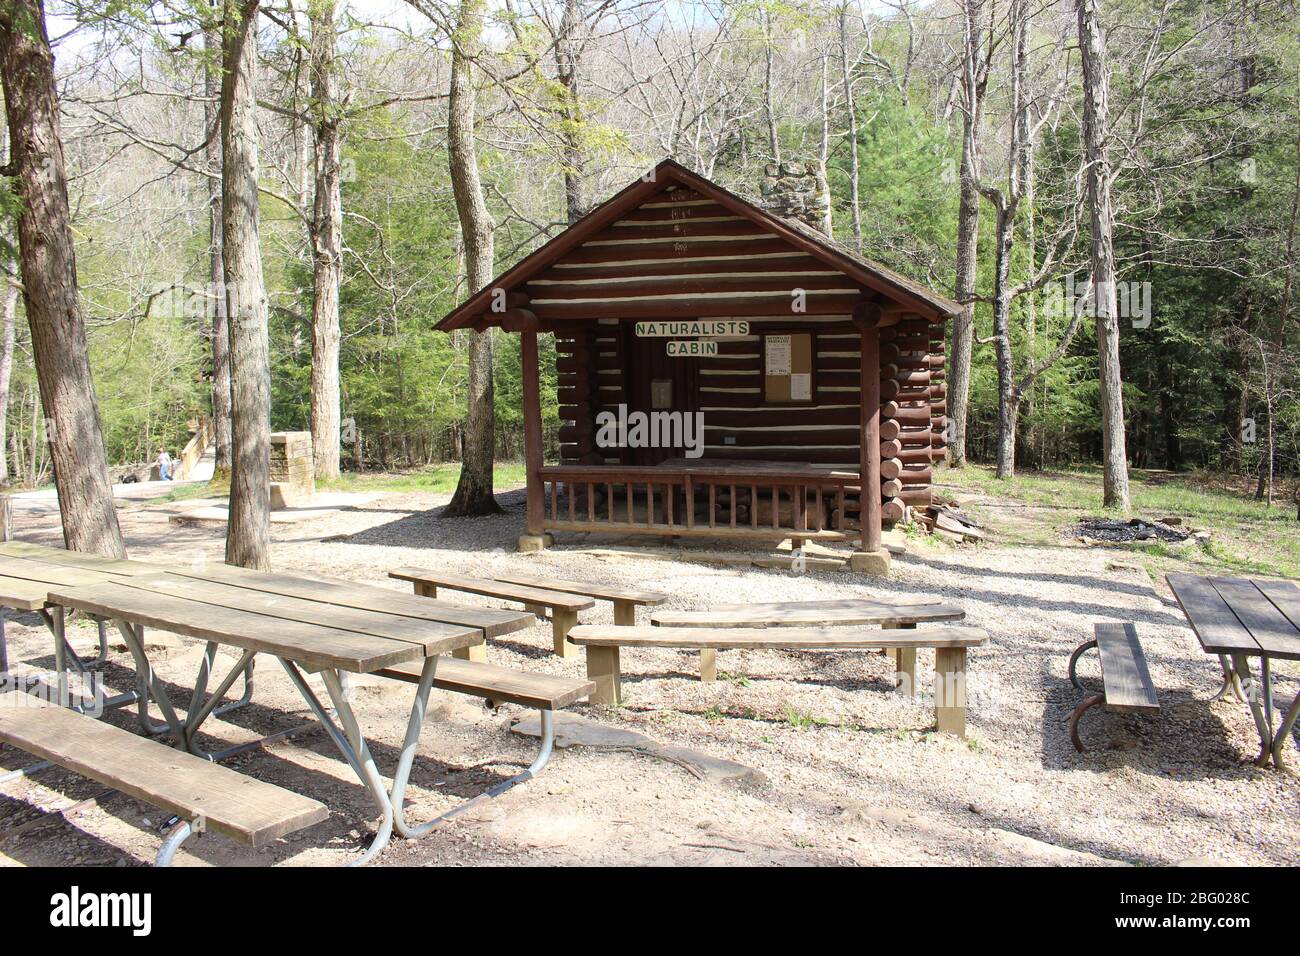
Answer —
532 543
870 562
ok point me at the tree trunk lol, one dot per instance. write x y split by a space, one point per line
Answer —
1092 50
769 65
824 152
567 68
1008 397
216 297
326 241
473 494
855 165
248 533
49 272
968 219
6 368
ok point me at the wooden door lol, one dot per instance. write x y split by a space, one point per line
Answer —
651 373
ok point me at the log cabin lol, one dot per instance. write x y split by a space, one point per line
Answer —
724 370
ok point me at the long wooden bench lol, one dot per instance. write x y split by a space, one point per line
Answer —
564 607
1126 680
625 600
497 684
205 795
950 644
838 611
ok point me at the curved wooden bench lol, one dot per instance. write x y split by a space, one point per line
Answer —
564 607
1126 680
950 644
205 795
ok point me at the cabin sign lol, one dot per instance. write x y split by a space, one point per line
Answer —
692 348
693 327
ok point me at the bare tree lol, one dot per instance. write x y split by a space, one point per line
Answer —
973 82
248 533
219 330
1096 131
326 230
1026 117
473 495
49 272
855 163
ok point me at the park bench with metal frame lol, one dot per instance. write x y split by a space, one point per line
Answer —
204 795
1127 687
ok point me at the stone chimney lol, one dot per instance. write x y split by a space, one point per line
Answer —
795 191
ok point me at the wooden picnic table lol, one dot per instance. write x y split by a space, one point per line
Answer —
309 624
27 572
1240 618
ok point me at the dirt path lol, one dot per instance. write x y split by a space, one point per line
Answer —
852 772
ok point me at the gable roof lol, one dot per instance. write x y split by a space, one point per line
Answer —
890 285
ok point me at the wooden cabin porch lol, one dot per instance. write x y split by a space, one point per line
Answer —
719 499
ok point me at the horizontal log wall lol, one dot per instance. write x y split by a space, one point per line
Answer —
684 256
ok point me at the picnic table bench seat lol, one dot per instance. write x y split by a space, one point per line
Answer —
840 611
950 644
1126 680
205 795
498 684
564 599
624 600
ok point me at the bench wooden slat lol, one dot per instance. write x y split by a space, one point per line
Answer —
176 782
601 592
599 635
1270 628
311 645
434 637
1217 628
790 613
544 691
23 595
78 559
363 597
1127 680
497 589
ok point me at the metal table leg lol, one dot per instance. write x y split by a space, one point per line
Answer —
352 745
4 653
201 707
1241 664
1284 731
179 835
1230 681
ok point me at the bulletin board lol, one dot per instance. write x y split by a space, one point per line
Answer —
788 367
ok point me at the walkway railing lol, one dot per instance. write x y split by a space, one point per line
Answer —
193 451
722 502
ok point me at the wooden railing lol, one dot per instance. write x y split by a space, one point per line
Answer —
193 451
736 503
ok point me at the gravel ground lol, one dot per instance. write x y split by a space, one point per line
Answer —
854 773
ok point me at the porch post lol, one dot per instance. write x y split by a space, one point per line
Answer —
871 558
534 540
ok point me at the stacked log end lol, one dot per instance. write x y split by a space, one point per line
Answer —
581 360
913 414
